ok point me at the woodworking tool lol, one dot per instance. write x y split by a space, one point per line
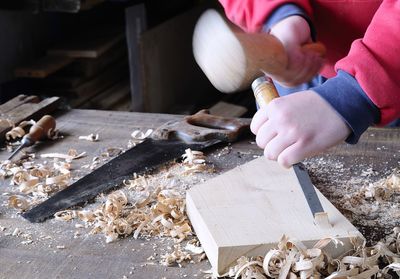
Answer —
197 132
264 92
39 131
231 59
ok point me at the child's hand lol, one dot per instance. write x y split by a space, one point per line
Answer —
293 32
296 126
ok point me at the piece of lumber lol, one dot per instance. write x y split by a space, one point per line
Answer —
89 44
43 67
23 108
227 109
89 67
110 97
247 210
91 88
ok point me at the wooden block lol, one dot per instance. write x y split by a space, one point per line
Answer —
90 44
23 108
227 109
246 211
43 67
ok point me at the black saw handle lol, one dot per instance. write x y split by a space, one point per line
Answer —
201 127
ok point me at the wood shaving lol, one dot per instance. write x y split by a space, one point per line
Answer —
34 182
145 207
291 259
194 161
383 189
72 155
177 257
91 137
137 136
18 131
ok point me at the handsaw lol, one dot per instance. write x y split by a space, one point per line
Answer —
169 141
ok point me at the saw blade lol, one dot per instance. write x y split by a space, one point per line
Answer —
139 159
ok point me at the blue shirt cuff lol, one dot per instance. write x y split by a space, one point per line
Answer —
346 96
285 11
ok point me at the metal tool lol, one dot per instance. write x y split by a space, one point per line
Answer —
168 142
39 131
264 92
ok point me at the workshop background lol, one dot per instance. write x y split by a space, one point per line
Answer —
110 55
119 70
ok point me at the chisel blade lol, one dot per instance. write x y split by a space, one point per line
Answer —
143 157
308 189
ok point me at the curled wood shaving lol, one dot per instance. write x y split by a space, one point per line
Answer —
176 257
194 161
18 202
138 136
90 137
141 208
290 259
65 215
384 188
18 131
36 182
72 155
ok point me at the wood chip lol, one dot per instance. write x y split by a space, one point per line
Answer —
90 137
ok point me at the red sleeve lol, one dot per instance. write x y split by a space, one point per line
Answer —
374 61
250 15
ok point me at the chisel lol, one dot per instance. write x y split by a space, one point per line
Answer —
40 130
264 92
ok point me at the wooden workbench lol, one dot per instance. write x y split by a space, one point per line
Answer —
89 256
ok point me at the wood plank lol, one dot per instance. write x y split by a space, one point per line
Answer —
89 67
251 207
111 97
25 111
88 44
96 85
16 102
43 67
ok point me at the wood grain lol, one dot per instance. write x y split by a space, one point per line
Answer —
88 257
245 212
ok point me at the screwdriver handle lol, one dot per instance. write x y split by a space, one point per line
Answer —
42 129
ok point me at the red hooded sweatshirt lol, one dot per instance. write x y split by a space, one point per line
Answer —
361 36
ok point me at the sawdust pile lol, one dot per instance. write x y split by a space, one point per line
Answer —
145 206
291 259
33 182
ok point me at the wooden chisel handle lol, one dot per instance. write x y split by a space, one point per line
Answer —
42 129
264 90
